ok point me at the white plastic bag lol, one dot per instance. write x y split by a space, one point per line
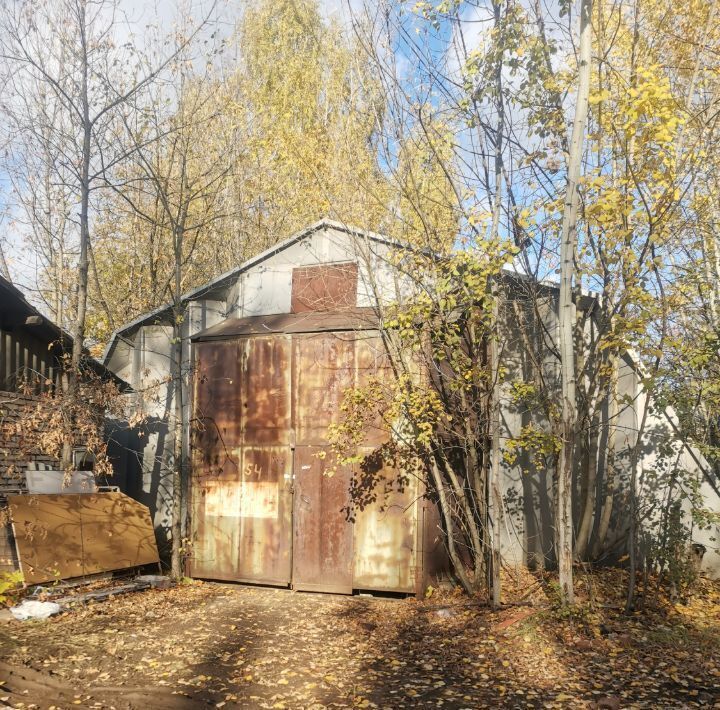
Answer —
34 610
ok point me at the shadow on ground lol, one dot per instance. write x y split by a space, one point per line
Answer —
214 645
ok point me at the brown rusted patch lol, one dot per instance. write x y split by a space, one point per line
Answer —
373 363
215 509
323 537
266 404
324 287
324 370
218 402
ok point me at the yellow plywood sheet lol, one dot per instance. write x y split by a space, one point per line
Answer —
71 535
116 533
47 535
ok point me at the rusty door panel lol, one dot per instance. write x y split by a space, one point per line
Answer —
218 401
216 460
324 287
265 515
323 537
215 512
385 539
266 401
372 362
323 369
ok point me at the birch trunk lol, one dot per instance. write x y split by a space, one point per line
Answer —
563 492
494 345
176 562
78 329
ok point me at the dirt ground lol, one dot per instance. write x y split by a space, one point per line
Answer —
216 645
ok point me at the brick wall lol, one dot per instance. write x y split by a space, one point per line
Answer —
8 555
14 408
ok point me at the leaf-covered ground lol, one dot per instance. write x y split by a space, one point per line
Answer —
213 645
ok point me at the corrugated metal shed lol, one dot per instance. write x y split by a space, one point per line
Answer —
266 390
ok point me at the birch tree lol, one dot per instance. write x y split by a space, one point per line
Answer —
185 184
69 51
567 318
305 108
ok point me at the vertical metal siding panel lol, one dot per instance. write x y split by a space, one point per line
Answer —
386 531
324 369
217 461
216 513
323 537
265 549
373 363
266 405
385 537
265 502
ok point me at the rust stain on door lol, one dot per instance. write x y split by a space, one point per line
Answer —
242 500
216 455
323 370
385 536
265 515
266 400
263 509
323 537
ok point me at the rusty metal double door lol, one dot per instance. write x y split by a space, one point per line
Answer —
263 510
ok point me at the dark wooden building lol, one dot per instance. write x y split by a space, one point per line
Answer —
31 352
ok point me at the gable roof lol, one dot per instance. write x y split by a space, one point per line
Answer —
15 310
156 315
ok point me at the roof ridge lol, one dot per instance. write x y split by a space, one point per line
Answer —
324 222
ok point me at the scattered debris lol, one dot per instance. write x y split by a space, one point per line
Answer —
29 609
520 616
47 601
